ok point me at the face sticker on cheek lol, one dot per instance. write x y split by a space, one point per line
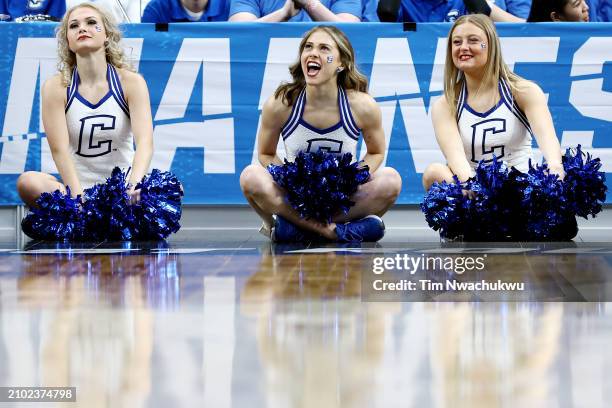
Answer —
98 28
330 59
483 45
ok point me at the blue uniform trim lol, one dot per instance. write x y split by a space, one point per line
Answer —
72 88
320 131
346 117
511 104
101 101
115 86
296 114
114 90
484 114
480 114
461 101
505 98
93 105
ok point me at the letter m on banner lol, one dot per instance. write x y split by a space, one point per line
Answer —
35 58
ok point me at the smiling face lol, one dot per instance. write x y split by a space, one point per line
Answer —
469 47
86 30
320 58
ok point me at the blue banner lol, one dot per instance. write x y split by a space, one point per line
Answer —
208 82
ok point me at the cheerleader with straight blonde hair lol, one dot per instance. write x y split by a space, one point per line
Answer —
488 189
486 109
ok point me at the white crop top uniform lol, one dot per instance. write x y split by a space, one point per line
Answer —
100 134
300 136
502 131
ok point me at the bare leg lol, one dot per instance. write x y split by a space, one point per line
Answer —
376 196
436 172
267 198
31 184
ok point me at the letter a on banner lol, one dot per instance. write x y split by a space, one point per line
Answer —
213 54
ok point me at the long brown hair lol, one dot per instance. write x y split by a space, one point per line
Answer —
349 78
67 58
495 70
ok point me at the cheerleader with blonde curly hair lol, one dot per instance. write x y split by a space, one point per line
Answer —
94 110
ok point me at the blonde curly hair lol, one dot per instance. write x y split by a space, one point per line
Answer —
67 58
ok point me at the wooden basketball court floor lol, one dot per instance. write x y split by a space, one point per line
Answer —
223 318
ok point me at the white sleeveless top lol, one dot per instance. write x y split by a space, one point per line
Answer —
100 134
300 136
502 131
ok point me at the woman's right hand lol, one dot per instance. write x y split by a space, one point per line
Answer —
134 195
557 169
471 194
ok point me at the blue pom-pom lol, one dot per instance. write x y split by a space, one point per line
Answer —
108 213
532 206
56 217
105 213
585 184
543 205
94 214
490 204
445 206
475 210
159 209
320 185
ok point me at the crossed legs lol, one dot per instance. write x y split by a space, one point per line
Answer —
267 198
436 172
31 184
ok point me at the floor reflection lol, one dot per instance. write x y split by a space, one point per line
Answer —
274 329
86 321
318 344
105 352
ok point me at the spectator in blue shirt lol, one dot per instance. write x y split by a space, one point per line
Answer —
368 12
518 8
436 11
295 10
600 10
420 11
12 9
180 11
